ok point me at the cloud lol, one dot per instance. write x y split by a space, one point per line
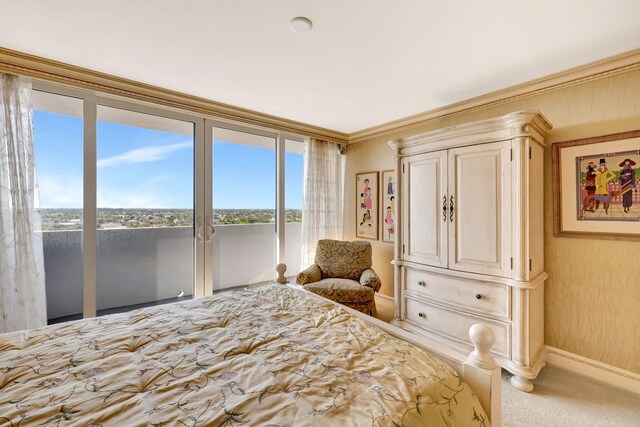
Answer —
147 193
143 155
64 192
60 191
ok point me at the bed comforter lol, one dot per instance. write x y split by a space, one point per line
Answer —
271 356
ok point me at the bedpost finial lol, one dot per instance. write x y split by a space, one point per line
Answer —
280 269
483 338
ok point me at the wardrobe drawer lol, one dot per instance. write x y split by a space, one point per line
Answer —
484 298
454 325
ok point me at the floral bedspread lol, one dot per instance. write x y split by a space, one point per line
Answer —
271 356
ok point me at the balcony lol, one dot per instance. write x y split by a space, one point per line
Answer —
146 266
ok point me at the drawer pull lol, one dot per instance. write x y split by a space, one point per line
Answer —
421 283
478 296
421 314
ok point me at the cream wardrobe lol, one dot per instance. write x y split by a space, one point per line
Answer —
470 247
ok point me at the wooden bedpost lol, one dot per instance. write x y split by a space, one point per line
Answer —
482 374
280 269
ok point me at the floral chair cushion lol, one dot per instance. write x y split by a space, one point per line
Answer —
346 260
341 290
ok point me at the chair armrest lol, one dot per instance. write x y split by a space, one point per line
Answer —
310 275
370 278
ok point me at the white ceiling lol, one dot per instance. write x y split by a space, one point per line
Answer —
365 62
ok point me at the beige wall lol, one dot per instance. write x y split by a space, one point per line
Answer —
592 297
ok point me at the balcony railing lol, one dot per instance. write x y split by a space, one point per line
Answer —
139 266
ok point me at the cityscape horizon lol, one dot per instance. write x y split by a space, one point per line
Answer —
67 219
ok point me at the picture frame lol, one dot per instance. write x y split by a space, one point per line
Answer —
388 205
367 215
596 187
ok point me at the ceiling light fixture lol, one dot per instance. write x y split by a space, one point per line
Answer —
300 24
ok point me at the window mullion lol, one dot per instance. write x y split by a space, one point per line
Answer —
89 209
280 190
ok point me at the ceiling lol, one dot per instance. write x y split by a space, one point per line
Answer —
365 62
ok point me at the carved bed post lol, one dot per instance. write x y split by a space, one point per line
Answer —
481 372
280 269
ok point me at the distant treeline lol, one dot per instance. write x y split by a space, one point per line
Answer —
114 218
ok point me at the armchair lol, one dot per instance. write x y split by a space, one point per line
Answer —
342 272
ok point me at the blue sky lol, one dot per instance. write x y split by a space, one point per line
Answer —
141 168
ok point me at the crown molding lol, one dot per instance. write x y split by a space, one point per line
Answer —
15 62
595 70
37 67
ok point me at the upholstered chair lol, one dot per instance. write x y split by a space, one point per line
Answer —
342 272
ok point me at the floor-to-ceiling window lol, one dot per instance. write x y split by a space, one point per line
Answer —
145 206
294 175
243 222
142 205
58 147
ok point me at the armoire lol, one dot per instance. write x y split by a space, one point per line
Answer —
470 245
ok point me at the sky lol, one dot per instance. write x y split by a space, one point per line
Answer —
142 168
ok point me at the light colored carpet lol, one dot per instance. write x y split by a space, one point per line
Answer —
561 398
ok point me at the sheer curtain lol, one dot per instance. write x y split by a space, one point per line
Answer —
322 196
22 286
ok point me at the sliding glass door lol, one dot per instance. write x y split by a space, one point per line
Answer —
242 225
58 148
145 209
143 205
294 179
253 198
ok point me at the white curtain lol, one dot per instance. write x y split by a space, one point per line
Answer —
22 286
322 196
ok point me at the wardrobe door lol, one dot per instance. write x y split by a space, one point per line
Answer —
480 198
425 228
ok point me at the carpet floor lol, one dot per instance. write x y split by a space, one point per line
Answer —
560 398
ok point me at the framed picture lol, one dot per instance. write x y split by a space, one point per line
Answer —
388 206
596 187
367 191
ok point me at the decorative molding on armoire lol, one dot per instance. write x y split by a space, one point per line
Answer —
37 67
595 70
608 374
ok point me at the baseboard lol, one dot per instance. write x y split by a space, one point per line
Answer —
387 297
593 369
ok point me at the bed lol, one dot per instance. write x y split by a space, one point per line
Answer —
268 356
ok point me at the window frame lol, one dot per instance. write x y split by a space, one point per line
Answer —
203 179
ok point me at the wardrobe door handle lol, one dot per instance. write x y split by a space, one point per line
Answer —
451 209
444 208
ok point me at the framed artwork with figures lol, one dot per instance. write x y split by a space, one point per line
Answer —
597 187
388 205
367 191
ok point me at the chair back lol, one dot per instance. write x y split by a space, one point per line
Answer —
344 260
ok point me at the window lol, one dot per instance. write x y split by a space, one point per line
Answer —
145 201
142 205
294 176
58 147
